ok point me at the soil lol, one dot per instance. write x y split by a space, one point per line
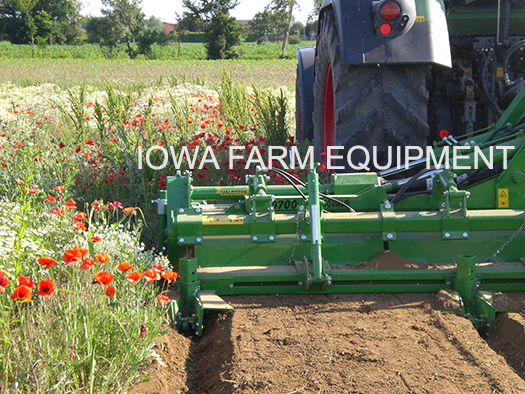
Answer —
382 343
349 343
387 260
446 300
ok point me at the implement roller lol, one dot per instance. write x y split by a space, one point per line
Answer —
310 238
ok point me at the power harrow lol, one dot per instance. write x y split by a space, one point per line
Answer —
462 225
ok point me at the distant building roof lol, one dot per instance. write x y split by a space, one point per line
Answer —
169 26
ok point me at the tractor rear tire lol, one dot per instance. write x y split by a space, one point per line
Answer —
371 105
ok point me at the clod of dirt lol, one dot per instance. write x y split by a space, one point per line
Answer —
502 302
446 300
387 260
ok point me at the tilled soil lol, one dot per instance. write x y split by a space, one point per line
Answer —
372 343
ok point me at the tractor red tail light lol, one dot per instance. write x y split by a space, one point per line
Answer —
389 11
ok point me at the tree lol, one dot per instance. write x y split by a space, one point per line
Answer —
103 31
284 8
276 21
267 24
64 26
153 33
188 22
223 31
128 18
314 14
26 6
55 21
155 24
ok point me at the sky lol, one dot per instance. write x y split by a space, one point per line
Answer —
165 9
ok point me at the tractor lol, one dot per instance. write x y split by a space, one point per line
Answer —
408 72
438 76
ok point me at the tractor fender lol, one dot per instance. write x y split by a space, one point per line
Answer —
305 93
426 39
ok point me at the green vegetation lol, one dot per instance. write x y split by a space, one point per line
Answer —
75 206
182 51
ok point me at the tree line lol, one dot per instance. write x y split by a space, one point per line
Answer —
123 23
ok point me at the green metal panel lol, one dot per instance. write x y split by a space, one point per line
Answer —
471 23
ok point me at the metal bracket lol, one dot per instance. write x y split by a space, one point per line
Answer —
389 221
189 226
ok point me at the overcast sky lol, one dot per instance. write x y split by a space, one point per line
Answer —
165 9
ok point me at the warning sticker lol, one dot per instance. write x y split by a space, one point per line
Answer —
503 198
231 192
358 215
499 72
420 18
209 220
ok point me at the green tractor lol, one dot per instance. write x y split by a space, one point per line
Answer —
408 72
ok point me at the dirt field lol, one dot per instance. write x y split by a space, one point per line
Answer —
341 344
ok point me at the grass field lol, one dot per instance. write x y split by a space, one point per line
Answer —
74 72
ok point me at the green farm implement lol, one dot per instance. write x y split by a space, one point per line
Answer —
461 224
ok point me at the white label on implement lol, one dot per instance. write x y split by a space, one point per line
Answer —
315 224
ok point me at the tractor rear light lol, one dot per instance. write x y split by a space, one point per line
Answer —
385 29
389 11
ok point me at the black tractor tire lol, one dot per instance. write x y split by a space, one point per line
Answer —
299 131
374 105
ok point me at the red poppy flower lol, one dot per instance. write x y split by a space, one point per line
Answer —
46 262
79 226
46 288
95 239
59 212
22 293
25 281
124 266
162 299
74 256
51 199
104 278
4 281
71 203
151 275
158 267
129 210
88 264
115 204
169 276
102 257
110 291
134 277
58 188
80 216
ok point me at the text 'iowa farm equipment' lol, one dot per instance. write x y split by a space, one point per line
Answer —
383 73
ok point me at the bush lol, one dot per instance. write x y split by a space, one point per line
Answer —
223 33
294 40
